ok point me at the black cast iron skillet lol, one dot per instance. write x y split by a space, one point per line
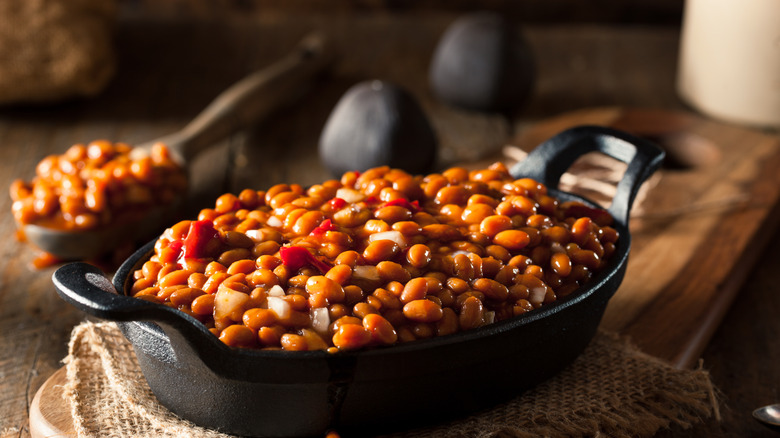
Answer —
281 393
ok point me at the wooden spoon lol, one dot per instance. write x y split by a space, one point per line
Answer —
247 101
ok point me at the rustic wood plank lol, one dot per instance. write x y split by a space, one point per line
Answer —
174 61
699 232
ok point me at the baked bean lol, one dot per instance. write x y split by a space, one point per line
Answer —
351 217
461 250
313 340
382 332
442 232
422 330
609 249
476 213
238 240
265 248
349 258
471 313
341 273
244 266
351 337
388 299
151 290
557 234
353 294
419 255
407 228
362 309
534 270
232 255
513 240
307 222
580 229
561 264
293 342
585 257
432 184
178 277
380 250
492 225
87 190
388 194
456 175
262 278
323 291
337 311
457 285
392 214
415 289
391 271
435 283
203 304
462 267
491 288
270 336
238 336
375 226
150 269
184 296
422 311
448 324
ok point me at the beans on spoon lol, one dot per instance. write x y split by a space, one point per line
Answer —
82 214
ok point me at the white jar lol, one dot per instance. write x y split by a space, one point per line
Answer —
729 64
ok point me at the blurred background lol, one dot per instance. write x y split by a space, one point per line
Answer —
73 71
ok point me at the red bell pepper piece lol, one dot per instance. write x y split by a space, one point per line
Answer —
322 228
196 244
172 253
413 206
337 203
296 257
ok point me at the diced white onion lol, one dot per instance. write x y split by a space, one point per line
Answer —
536 295
227 301
490 317
320 320
395 236
274 221
280 307
255 235
276 291
366 272
350 195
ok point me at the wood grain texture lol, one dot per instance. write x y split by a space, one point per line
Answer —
49 415
176 56
700 229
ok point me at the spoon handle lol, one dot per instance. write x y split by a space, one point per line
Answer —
252 98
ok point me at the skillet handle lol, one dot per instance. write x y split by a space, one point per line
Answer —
548 161
86 287
189 343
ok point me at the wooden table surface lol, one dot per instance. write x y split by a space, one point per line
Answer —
172 62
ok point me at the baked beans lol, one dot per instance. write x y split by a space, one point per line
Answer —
93 185
375 259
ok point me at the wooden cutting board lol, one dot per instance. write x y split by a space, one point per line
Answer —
697 233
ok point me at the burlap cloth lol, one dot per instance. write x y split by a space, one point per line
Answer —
611 390
55 49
